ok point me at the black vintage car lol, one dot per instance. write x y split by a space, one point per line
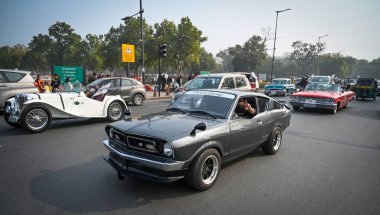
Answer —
194 136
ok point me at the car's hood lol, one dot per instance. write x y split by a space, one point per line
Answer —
166 125
317 94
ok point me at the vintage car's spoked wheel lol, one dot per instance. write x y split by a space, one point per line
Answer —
115 111
35 119
204 170
273 144
138 99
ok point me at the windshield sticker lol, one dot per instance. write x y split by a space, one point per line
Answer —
208 93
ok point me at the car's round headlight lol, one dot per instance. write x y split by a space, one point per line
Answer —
110 132
168 149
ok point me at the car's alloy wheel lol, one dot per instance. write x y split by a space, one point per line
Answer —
138 99
274 142
115 111
35 119
204 170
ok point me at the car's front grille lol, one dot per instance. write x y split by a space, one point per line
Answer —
125 142
142 144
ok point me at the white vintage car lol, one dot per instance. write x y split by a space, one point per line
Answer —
34 112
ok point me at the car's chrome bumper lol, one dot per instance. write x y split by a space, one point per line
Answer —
162 164
329 106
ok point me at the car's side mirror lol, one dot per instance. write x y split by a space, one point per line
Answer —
200 126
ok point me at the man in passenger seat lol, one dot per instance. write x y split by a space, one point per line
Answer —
245 109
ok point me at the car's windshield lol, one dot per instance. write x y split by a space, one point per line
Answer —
215 103
204 83
324 87
75 87
320 79
281 81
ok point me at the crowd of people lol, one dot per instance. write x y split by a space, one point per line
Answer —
54 85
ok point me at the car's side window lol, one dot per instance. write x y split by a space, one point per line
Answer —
228 83
240 82
14 76
126 82
262 104
2 78
273 105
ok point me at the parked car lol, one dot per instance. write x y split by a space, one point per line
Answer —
194 136
34 112
232 81
13 82
322 96
280 86
129 89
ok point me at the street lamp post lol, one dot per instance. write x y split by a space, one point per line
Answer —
142 38
274 45
319 40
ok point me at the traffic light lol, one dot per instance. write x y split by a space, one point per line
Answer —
162 51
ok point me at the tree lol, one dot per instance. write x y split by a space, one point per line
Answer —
306 54
206 62
11 57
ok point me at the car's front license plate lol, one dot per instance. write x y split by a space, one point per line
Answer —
310 101
309 105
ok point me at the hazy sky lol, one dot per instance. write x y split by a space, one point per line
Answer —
352 26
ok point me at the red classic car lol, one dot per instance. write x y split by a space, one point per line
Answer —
322 96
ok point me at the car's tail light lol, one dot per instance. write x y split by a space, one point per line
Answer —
253 85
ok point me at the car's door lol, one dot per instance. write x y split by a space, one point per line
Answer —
126 89
5 88
86 107
245 132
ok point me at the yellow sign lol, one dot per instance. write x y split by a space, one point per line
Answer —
128 53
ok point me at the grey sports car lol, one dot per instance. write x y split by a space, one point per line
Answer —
194 136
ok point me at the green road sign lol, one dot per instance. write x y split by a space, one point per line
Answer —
204 72
76 73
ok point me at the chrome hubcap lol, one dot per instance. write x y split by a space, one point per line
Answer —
36 119
115 110
138 100
210 169
277 140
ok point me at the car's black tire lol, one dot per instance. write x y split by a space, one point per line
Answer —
274 142
138 100
204 170
296 108
115 111
374 98
39 115
6 117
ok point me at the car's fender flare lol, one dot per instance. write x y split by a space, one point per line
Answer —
54 111
209 144
112 99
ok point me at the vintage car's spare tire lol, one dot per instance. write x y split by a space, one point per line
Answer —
115 111
204 170
138 99
35 119
6 117
274 142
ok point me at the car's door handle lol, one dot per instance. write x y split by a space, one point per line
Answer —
260 122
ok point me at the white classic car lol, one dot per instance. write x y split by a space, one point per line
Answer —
34 112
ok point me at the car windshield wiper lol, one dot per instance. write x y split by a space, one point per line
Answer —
203 112
176 110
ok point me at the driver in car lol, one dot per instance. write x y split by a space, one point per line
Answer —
244 109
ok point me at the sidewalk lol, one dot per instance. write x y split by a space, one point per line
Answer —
149 96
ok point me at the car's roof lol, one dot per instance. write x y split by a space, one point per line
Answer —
281 78
14 70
